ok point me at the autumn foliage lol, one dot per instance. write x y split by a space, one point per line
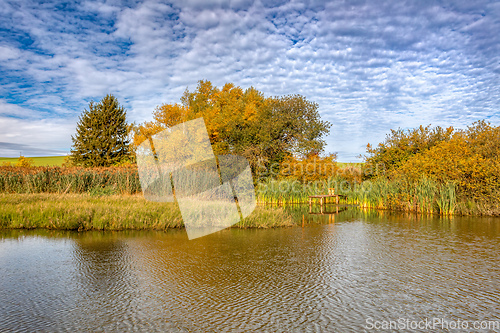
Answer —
265 130
310 168
469 158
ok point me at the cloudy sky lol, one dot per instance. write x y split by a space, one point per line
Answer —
371 66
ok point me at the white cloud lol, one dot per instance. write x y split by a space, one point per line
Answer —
8 53
36 137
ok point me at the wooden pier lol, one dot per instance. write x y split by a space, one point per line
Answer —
323 199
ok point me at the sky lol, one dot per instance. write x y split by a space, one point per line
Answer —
371 66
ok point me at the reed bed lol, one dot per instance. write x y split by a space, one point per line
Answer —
86 212
291 191
113 180
425 196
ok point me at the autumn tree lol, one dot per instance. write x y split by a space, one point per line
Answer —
101 135
470 158
263 129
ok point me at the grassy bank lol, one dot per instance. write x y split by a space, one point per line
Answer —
38 161
116 212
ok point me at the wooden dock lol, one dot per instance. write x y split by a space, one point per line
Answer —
323 200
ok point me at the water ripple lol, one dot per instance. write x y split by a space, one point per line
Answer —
313 279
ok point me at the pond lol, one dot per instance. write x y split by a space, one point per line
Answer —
351 271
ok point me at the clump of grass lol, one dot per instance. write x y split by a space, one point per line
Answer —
425 195
289 191
282 192
266 217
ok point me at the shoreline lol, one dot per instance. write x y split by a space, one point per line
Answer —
119 212
84 212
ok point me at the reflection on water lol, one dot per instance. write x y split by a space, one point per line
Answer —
330 275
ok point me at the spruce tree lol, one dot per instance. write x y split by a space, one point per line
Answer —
101 135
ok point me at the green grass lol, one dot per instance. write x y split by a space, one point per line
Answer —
115 212
39 161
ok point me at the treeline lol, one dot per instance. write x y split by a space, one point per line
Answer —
426 169
264 129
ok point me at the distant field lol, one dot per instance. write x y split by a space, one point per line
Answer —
39 161
349 164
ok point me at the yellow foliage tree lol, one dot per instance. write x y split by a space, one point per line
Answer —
244 122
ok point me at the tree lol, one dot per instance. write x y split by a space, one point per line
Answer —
101 135
265 130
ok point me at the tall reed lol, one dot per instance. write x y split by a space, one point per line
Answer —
425 196
118 180
447 199
289 191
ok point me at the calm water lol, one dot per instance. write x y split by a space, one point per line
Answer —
329 277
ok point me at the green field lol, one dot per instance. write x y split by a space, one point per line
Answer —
39 161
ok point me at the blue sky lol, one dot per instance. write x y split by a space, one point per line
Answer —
370 65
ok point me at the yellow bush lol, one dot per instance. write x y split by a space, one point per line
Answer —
470 159
25 162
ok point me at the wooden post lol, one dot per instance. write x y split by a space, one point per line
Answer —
302 220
